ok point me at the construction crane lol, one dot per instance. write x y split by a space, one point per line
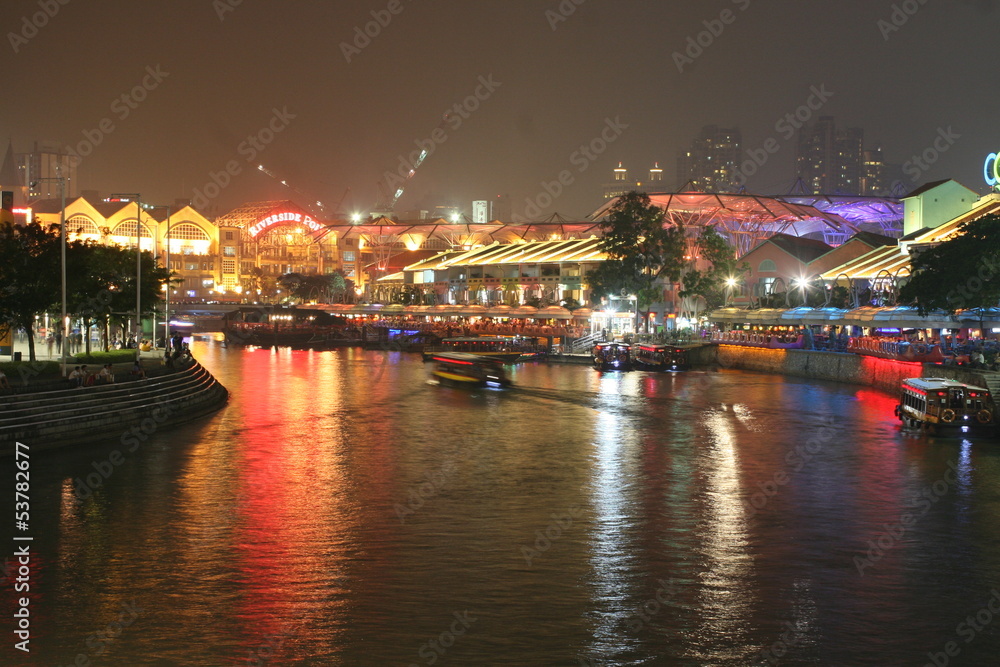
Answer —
318 208
385 204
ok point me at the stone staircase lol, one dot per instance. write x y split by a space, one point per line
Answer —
59 417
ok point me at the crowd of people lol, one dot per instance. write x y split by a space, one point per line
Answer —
485 326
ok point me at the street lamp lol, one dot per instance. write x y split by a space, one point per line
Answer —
137 198
166 305
62 236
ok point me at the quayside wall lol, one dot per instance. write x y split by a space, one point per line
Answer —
883 374
50 418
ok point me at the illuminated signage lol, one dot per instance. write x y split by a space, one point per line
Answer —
284 218
991 170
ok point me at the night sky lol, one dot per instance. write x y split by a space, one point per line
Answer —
229 64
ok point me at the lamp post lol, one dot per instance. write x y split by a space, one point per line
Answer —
137 198
62 238
166 305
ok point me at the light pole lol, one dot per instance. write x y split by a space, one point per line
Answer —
166 305
62 237
137 198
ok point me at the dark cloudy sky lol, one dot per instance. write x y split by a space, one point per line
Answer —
607 60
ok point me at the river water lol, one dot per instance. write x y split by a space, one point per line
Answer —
342 510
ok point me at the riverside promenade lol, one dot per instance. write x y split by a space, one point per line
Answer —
42 409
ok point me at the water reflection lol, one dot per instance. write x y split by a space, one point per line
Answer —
272 527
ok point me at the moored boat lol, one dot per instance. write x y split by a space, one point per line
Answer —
661 358
613 357
468 370
937 402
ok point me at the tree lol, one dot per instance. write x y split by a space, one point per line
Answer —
959 274
642 249
29 275
712 284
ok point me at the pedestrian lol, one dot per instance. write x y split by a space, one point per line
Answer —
107 375
137 372
75 377
4 384
50 341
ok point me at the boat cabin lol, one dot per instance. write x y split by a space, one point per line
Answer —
942 402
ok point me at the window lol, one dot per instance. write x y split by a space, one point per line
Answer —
229 251
767 266
208 283
81 224
127 229
229 266
191 266
229 236
348 255
187 232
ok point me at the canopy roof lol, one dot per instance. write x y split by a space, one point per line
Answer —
532 252
895 259
746 219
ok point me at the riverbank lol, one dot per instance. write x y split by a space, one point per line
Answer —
882 374
47 415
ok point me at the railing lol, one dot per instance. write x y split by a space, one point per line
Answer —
585 343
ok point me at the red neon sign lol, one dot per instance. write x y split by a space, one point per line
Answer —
285 217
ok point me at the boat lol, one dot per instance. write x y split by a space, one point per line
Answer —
661 358
468 370
613 357
937 402
508 349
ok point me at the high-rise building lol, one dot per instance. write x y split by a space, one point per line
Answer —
622 183
45 163
710 164
831 160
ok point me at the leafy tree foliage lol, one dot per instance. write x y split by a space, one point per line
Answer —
642 250
101 280
710 286
324 288
959 274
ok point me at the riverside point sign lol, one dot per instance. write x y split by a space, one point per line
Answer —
284 218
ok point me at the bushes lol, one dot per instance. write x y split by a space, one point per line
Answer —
112 357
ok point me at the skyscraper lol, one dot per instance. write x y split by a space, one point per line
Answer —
710 164
45 163
832 161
